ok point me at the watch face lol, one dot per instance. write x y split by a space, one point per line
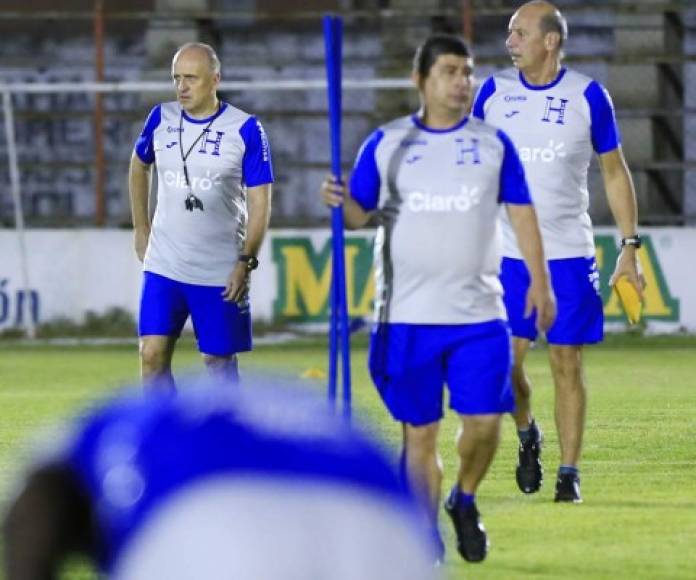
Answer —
635 242
252 263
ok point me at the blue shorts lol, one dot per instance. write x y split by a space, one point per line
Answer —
410 363
222 328
580 314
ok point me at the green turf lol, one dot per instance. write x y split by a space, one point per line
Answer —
639 468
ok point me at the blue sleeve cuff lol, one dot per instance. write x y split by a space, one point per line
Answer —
513 183
604 128
365 182
257 167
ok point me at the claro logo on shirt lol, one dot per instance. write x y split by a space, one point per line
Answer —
421 201
547 154
176 179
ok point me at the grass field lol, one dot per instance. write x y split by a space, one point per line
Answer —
639 468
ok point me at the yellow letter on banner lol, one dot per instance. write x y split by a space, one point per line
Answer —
303 284
364 306
655 304
653 301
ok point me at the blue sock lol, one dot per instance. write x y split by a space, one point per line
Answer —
568 470
524 435
531 433
466 499
461 498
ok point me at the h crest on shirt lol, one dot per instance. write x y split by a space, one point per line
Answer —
468 151
552 109
214 142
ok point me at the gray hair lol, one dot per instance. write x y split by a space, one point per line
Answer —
209 51
554 21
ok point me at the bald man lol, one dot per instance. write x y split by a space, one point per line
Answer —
214 180
558 118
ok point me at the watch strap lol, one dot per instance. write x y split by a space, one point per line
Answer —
634 241
252 262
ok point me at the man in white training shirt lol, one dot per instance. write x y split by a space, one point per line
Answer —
436 181
214 180
557 118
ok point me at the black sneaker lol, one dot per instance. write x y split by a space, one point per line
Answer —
472 541
568 488
529 472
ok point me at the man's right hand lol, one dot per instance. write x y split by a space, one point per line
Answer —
540 299
333 193
140 242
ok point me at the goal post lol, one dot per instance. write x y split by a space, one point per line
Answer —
9 90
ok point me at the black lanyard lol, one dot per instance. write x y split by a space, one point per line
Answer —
192 201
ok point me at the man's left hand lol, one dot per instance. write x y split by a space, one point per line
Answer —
628 265
237 284
540 299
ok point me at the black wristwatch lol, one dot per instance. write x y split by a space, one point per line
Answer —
634 241
252 262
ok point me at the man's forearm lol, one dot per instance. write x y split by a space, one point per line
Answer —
622 203
526 226
139 187
620 192
354 215
259 210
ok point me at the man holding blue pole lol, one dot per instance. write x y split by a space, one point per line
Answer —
435 181
339 335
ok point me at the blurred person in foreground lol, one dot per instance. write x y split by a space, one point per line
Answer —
255 483
435 181
557 118
214 178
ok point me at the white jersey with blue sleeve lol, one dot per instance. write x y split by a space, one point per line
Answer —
265 484
229 152
556 129
438 196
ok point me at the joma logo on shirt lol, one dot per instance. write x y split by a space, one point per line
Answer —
546 154
420 201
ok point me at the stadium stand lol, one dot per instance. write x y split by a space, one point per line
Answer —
644 51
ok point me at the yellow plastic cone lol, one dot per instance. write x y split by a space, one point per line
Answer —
313 373
630 300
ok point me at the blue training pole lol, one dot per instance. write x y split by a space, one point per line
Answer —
339 332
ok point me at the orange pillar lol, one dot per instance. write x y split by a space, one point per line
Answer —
468 20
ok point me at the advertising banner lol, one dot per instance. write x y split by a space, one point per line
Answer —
72 272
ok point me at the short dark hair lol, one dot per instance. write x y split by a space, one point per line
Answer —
434 46
554 21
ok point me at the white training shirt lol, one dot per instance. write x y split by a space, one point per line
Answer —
556 128
231 154
438 193
261 483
